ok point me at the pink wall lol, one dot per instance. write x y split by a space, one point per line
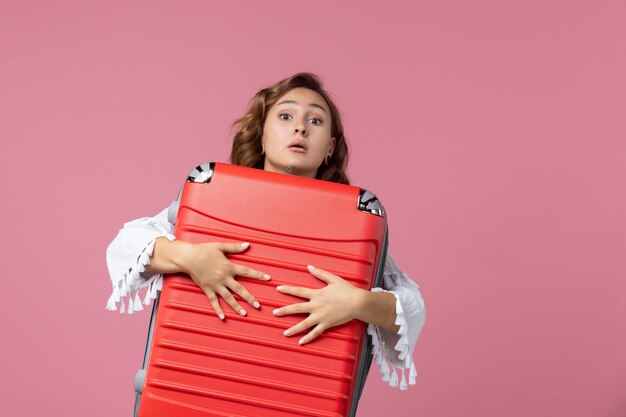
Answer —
493 131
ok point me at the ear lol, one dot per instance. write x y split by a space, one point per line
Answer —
333 142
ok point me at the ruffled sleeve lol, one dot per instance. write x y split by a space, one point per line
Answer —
127 257
395 350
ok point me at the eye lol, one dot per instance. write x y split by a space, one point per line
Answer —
280 116
319 121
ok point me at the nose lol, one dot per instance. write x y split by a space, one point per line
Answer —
300 128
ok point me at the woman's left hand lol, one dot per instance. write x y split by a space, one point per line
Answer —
335 304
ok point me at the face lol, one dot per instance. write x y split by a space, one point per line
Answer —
300 117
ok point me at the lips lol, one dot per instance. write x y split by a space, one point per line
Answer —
298 144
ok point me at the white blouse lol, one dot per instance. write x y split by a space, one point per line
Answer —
130 251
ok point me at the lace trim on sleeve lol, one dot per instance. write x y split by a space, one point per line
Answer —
402 347
132 281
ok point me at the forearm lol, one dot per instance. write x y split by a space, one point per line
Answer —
167 256
378 308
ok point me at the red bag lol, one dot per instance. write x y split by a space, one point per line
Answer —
198 365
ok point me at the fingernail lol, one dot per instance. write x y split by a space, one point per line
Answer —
301 341
221 316
310 267
242 312
276 311
265 276
245 244
286 332
256 304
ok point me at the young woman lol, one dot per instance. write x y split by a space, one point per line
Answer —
292 127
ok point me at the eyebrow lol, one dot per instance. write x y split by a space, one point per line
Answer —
295 102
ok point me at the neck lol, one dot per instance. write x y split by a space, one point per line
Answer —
267 166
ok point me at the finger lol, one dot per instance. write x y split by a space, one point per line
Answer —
293 309
297 291
242 292
233 247
303 325
214 302
244 271
317 330
325 276
228 297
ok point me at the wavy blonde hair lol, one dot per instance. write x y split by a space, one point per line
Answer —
246 150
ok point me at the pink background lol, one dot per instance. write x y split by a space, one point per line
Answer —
493 131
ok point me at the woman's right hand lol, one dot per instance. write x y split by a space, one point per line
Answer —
207 265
